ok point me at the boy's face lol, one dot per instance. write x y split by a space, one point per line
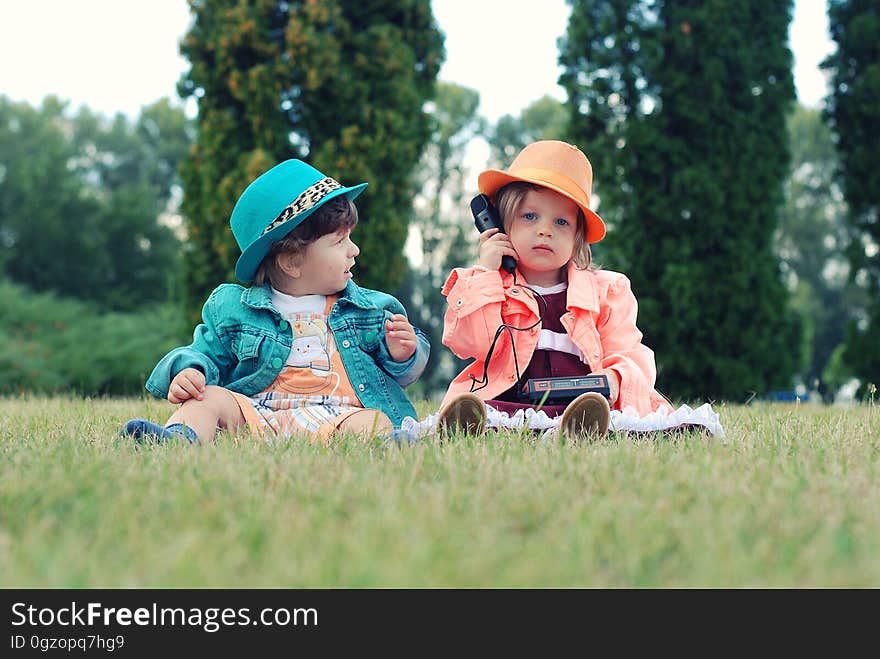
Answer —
325 266
542 231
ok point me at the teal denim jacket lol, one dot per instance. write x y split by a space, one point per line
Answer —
243 343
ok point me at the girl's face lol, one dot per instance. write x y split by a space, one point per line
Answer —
325 266
542 230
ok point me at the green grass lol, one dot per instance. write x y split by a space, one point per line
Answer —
789 499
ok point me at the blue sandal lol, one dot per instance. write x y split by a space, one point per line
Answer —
142 431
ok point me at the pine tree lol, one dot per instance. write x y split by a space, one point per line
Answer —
339 83
607 53
854 113
687 117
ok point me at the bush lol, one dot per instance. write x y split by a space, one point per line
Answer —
50 344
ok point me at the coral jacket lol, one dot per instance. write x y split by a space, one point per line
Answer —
601 321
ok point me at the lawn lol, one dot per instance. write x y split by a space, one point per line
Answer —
790 498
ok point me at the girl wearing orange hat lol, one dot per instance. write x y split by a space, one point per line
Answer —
574 320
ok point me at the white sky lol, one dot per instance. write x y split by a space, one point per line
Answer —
119 55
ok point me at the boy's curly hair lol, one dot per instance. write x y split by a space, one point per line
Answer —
337 214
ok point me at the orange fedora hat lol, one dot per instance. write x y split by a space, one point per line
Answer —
560 166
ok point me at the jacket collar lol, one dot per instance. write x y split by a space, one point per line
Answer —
582 289
354 295
260 297
581 292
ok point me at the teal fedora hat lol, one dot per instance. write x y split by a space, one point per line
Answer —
274 204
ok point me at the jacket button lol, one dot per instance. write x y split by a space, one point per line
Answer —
276 363
282 325
460 302
361 387
345 343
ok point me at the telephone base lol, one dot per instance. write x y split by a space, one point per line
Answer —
551 390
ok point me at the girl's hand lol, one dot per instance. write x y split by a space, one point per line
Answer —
493 245
189 383
400 337
613 384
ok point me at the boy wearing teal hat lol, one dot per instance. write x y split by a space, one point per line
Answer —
303 349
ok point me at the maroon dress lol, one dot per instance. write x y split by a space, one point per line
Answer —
545 363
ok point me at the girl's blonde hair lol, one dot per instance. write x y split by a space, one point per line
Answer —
336 214
508 199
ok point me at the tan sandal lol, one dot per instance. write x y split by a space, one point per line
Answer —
586 417
465 413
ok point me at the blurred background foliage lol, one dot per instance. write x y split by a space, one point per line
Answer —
747 224
50 344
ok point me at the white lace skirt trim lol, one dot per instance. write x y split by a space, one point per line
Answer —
626 421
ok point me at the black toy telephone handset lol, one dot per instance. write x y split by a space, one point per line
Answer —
486 217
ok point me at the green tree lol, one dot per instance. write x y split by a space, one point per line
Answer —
33 225
812 241
341 84
81 197
683 104
607 53
442 222
853 110
545 119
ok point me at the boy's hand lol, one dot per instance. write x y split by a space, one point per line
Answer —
400 337
189 383
494 245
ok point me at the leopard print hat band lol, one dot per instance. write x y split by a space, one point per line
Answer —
310 197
